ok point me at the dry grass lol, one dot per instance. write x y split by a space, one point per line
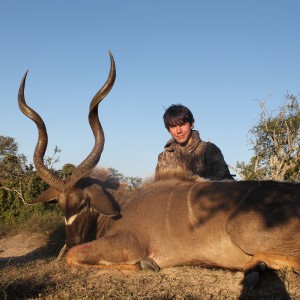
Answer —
37 275
49 279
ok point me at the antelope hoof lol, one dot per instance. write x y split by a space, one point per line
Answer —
252 275
149 264
62 252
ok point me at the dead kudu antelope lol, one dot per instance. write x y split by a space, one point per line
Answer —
241 225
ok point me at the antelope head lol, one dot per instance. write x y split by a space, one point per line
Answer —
80 198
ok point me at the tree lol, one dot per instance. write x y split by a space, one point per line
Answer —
11 163
115 174
67 170
133 183
275 140
7 146
19 181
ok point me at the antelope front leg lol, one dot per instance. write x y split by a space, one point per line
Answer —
120 251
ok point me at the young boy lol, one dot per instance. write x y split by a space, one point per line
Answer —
186 151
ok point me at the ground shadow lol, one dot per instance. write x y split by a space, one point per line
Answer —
27 289
269 286
55 242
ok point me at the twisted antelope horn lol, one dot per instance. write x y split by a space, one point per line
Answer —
47 175
93 158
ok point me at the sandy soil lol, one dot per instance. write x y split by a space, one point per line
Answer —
20 245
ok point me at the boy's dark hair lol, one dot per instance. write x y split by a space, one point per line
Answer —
177 114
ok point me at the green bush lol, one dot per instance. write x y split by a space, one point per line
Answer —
14 211
36 223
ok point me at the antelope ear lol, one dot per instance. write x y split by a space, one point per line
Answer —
102 201
48 195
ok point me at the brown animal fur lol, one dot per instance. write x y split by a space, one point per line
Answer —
225 224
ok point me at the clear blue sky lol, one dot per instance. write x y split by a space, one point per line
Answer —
216 57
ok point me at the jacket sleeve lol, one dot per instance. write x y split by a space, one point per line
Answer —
217 169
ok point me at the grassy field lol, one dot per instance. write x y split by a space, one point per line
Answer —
38 275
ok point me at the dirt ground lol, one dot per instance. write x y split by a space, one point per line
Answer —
20 245
18 252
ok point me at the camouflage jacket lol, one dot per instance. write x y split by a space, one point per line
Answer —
202 158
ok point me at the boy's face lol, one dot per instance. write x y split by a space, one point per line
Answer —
182 134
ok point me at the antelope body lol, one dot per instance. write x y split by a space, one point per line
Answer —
222 224
237 225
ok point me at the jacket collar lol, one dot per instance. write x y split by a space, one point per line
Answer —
171 145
